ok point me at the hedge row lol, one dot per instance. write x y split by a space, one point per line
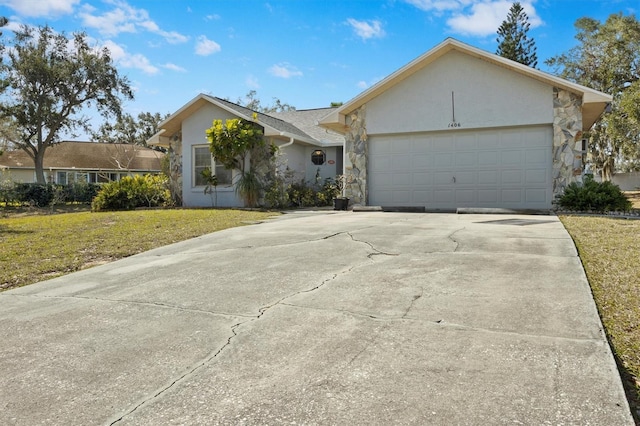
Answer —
41 195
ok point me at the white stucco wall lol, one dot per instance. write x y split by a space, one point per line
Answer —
293 157
485 95
193 133
326 170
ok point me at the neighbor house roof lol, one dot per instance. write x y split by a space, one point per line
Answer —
593 101
88 156
273 125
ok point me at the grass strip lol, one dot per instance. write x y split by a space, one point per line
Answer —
610 253
37 247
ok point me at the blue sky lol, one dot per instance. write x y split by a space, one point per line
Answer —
307 53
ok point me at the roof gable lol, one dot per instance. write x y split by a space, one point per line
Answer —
273 125
594 101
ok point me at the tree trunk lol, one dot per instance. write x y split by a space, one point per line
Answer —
39 164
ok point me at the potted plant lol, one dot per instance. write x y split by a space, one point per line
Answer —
340 202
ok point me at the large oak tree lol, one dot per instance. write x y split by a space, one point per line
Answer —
607 58
48 80
129 129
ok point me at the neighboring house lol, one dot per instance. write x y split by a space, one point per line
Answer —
68 162
304 148
461 127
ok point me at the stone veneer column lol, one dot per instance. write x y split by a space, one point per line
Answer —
175 168
356 157
567 139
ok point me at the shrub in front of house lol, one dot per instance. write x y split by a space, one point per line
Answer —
42 195
593 196
80 192
133 192
280 194
34 194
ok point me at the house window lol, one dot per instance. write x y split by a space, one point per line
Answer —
62 178
202 160
318 157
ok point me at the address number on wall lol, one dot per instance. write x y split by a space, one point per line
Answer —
454 124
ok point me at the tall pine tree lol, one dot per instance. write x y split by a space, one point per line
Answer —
513 42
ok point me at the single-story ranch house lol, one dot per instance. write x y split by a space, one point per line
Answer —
68 162
457 127
304 147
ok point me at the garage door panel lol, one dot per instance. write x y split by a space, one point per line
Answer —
401 197
487 158
511 157
466 177
401 162
535 195
488 140
443 143
466 159
533 176
443 196
511 177
465 197
401 179
487 197
401 146
487 177
511 195
421 162
443 178
535 156
380 164
486 168
465 141
423 179
443 161
422 196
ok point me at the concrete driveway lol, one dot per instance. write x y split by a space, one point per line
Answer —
335 318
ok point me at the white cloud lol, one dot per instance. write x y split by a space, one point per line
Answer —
284 70
213 17
252 82
127 60
362 84
485 17
475 17
366 29
206 47
437 5
124 18
41 7
173 67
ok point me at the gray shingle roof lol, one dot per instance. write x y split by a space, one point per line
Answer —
273 122
307 121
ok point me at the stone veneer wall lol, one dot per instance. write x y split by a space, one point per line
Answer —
356 157
567 139
175 168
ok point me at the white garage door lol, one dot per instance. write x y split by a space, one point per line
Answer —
507 168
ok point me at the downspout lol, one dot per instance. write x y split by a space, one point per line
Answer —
287 144
284 146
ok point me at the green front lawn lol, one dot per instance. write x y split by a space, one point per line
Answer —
40 246
610 252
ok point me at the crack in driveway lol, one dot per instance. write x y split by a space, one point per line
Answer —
234 329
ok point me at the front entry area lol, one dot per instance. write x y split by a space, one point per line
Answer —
492 168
